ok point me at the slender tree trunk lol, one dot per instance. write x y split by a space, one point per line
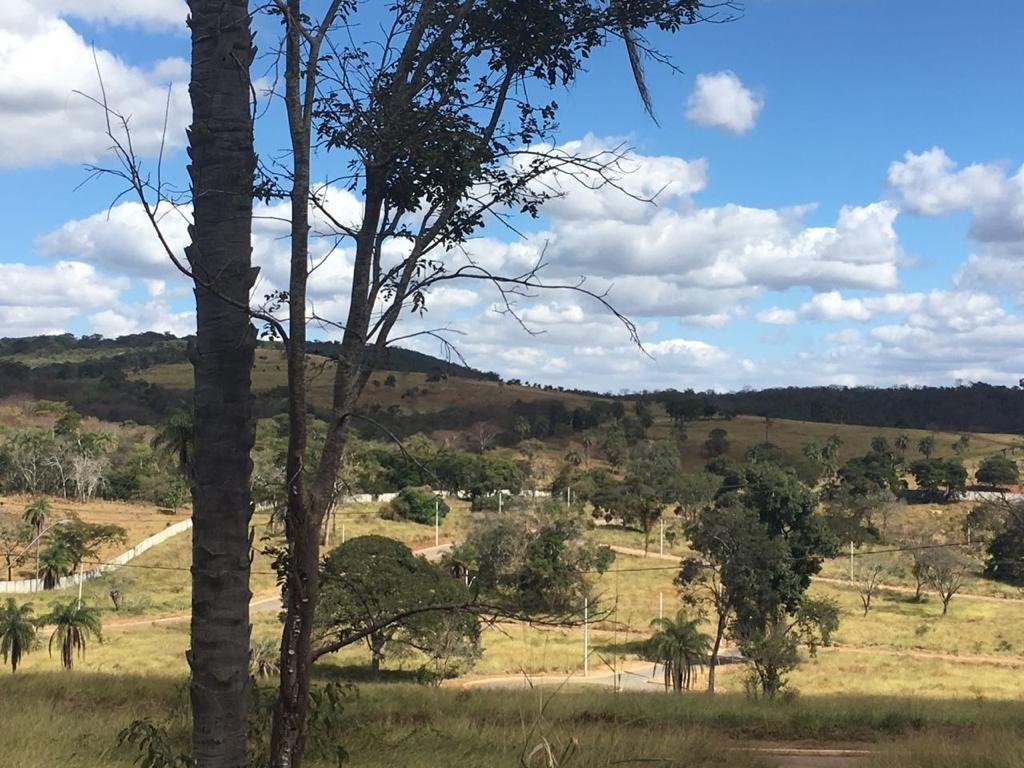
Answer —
220 255
713 661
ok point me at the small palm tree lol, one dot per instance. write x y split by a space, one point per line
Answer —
74 623
55 562
36 512
264 659
573 456
176 437
17 632
680 647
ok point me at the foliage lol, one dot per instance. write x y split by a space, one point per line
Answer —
944 570
717 443
418 505
680 647
73 623
375 587
533 563
998 470
770 647
17 632
940 479
1006 551
263 659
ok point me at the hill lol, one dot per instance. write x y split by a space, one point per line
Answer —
142 377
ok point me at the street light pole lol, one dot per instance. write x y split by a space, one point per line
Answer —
586 637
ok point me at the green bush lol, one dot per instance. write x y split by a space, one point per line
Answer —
415 504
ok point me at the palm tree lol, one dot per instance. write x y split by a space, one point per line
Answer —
55 562
17 632
573 456
36 512
35 515
176 436
74 623
587 441
264 659
680 647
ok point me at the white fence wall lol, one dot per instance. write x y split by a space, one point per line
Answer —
36 585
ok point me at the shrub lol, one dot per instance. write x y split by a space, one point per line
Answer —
415 504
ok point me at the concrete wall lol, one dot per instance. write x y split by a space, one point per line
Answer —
36 585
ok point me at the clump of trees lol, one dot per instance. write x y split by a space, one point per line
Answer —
998 470
756 550
416 504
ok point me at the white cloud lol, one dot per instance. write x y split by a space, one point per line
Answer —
43 299
154 14
720 100
43 61
929 184
777 316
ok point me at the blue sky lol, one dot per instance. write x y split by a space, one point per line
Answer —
847 204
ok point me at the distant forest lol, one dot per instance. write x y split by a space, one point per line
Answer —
976 407
91 374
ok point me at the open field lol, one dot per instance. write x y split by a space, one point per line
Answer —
44 717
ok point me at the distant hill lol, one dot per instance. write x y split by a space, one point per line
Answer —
142 376
978 407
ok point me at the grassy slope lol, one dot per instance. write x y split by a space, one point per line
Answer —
270 371
46 718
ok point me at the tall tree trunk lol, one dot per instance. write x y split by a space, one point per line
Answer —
220 255
713 661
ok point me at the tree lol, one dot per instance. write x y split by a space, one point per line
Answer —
757 550
717 443
483 434
961 444
176 436
14 535
73 624
36 512
868 585
926 446
220 265
652 482
17 632
902 443
82 540
941 479
946 571
370 580
439 132
55 562
998 470
534 564
573 457
697 491
680 647
420 505
770 647
1006 550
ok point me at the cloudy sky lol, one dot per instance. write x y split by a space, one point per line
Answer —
841 200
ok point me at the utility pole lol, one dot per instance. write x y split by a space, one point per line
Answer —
437 524
500 494
586 637
661 544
